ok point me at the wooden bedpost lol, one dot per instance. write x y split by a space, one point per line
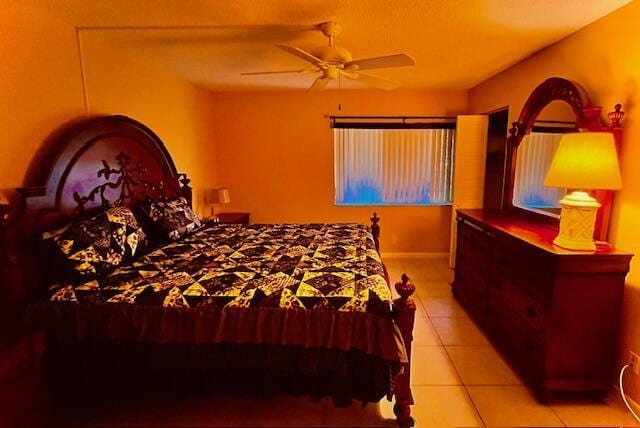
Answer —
405 313
185 189
375 230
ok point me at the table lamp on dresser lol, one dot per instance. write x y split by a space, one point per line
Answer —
583 161
216 197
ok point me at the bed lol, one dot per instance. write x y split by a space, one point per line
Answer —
234 309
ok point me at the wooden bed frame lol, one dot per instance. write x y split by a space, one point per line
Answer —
104 161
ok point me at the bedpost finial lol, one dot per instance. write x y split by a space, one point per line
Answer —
185 189
405 288
184 179
375 230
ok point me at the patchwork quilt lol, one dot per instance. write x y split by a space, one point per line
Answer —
312 266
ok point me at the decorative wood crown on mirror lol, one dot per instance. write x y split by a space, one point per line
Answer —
588 118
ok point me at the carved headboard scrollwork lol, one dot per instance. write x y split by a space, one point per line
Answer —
587 118
126 180
97 163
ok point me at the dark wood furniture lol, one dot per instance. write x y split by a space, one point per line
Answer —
21 350
587 118
553 312
22 391
237 218
99 162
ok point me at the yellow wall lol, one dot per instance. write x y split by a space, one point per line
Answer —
47 78
603 58
40 84
178 111
275 154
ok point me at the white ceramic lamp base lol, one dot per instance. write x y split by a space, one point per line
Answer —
577 222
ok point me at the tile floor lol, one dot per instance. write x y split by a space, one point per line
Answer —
459 380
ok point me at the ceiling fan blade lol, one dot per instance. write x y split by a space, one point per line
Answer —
304 55
259 73
319 84
370 80
388 61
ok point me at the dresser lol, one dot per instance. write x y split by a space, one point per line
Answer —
553 313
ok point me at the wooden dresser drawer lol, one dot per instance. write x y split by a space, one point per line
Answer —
522 266
473 243
477 274
518 340
536 277
472 292
526 308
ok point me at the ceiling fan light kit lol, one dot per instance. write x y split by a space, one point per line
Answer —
334 61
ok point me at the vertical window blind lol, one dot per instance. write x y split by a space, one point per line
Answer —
393 166
532 163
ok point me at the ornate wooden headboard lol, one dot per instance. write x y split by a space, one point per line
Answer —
86 166
98 162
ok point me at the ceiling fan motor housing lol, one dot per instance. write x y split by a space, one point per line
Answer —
336 55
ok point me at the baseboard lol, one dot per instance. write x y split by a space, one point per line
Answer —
414 255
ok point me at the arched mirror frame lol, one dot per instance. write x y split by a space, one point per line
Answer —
588 117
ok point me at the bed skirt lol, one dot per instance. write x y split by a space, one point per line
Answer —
78 368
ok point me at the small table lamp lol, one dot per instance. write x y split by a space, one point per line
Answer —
583 161
215 197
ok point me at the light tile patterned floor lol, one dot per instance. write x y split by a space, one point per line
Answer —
459 380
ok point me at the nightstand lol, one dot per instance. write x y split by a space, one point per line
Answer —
235 218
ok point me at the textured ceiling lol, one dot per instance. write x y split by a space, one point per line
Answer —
456 43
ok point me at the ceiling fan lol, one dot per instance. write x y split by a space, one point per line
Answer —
333 61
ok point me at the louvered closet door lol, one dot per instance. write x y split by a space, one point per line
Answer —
469 169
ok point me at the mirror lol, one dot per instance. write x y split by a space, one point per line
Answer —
555 106
535 153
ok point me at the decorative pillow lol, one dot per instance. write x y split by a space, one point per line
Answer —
173 219
95 246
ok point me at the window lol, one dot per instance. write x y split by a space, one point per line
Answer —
393 165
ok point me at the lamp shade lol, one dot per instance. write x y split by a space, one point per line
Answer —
223 196
585 160
217 196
